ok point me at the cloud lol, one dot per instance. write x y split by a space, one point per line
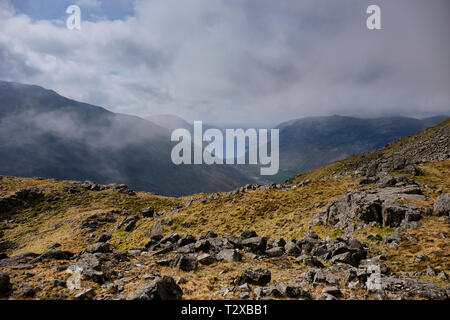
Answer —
234 61
89 3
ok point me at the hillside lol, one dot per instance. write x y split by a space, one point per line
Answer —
43 134
321 235
314 142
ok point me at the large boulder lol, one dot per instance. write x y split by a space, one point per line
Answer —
163 288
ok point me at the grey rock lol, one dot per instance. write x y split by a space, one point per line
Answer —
163 288
206 259
332 290
155 233
85 294
148 212
186 263
99 247
185 240
275 252
421 258
231 255
257 276
255 244
412 287
292 249
248 234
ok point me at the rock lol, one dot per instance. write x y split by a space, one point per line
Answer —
202 245
163 288
231 255
99 247
269 291
278 242
414 288
105 237
332 290
211 235
85 294
442 275
310 261
393 214
186 263
257 276
148 212
5 285
294 289
89 266
275 252
188 239
129 223
431 272
54 255
28 293
421 258
171 238
58 283
442 205
155 233
248 234
206 259
292 249
255 244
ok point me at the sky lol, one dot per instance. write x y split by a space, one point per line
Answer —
234 62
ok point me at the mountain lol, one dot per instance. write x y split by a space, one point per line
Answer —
171 122
372 226
47 135
314 142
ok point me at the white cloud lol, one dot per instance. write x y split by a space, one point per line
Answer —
89 3
238 61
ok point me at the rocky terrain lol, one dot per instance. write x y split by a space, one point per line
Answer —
374 226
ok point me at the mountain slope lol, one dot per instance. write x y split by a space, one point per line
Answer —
334 229
44 134
314 142
170 122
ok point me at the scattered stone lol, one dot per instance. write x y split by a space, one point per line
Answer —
163 288
186 263
85 294
275 252
332 290
257 276
206 259
99 247
231 255
421 258
148 212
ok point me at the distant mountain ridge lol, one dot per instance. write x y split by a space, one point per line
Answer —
314 142
47 135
